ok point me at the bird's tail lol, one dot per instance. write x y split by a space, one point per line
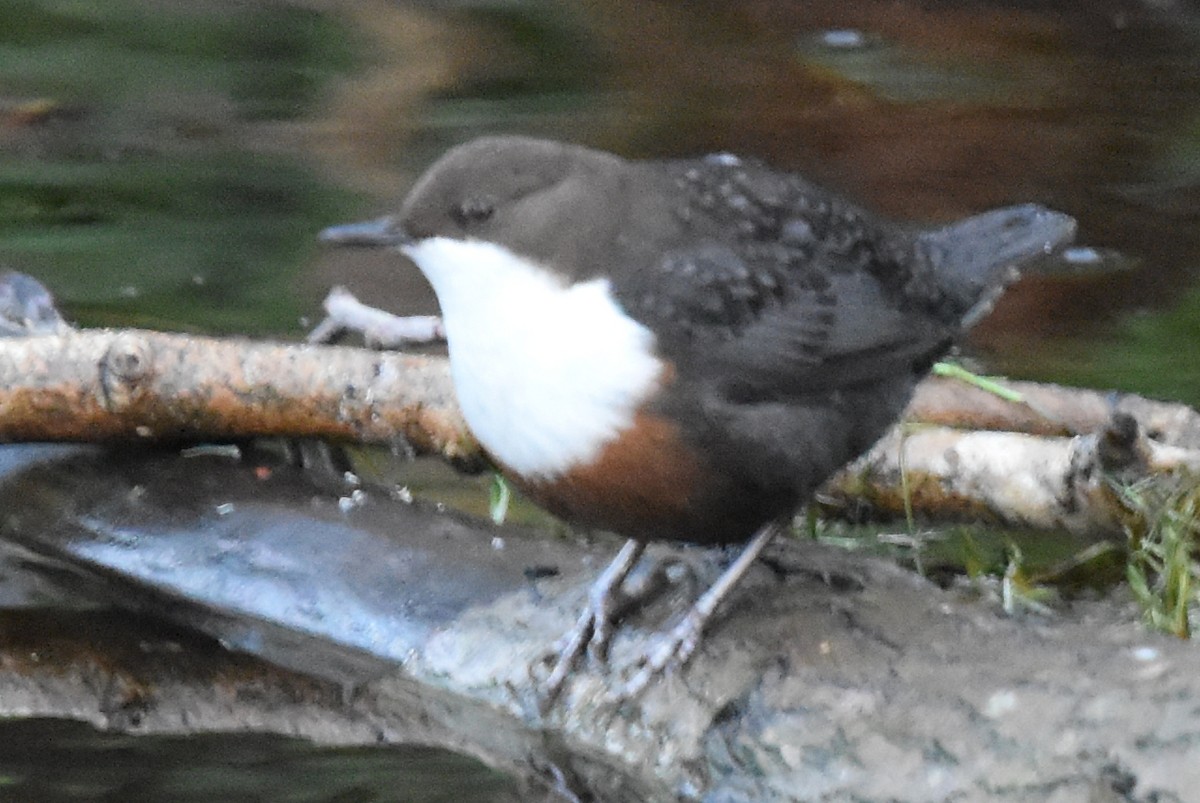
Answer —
976 258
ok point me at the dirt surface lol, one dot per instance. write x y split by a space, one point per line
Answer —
829 677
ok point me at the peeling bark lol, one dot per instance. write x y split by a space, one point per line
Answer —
133 385
1028 481
1051 410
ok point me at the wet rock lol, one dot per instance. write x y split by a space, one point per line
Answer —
828 676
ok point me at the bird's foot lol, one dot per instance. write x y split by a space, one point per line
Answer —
666 651
606 602
673 649
594 629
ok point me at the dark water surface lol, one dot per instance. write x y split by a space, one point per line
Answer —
167 164
58 761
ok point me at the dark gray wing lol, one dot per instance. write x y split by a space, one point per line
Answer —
762 326
771 286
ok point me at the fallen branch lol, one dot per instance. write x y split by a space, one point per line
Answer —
1031 458
1028 481
106 385
1047 409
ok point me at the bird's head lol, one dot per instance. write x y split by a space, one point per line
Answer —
536 198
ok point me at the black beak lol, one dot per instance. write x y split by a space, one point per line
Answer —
373 233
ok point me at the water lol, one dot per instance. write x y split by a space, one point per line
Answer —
58 761
167 165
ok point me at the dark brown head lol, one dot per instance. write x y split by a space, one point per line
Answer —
542 200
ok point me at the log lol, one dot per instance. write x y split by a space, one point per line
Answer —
1041 471
104 385
1032 482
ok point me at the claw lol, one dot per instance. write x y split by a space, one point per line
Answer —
594 628
674 648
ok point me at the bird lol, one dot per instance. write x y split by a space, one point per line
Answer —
684 349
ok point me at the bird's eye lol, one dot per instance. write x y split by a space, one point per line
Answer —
472 210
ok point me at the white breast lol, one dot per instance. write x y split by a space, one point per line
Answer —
546 373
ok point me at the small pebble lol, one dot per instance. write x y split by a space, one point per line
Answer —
844 38
1000 703
723 159
1082 255
229 450
1145 654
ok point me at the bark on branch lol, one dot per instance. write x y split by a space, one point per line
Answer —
105 385
1041 462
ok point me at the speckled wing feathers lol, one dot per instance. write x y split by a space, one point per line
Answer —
783 289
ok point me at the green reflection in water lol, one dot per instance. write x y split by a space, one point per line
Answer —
1152 354
142 179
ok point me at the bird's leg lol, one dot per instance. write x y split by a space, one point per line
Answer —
595 626
676 646
605 600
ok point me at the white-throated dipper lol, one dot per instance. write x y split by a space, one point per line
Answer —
683 350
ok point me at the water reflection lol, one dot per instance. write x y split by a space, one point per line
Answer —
55 761
148 173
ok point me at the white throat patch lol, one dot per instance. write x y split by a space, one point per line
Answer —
546 373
